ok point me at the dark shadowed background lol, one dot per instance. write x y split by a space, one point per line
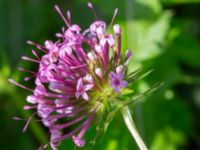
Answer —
164 35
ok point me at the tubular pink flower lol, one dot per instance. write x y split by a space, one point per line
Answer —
81 89
107 39
98 28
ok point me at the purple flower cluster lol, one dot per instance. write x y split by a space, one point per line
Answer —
71 78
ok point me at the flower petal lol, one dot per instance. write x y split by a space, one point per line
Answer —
77 94
85 96
88 87
79 84
117 90
120 75
123 84
112 75
78 142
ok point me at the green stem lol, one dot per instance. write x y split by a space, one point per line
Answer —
132 129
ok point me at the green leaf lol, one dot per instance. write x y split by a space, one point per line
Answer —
147 37
168 139
170 2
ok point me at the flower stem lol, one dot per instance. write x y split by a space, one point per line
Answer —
132 129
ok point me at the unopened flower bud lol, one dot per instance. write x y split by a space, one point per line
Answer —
88 78
98 48
117 29
32 99
91 56
49 44
128 54
107 39
99 72
119 69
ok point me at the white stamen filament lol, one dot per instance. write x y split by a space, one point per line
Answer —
61 15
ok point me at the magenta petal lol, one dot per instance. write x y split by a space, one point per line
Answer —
128 54
65 49
49 44
100 31
75 28
88 87
79 84
39 90
112 84
78 142
112 75
55 134
111 40
116 81
97 24
85 96
123 84
120 75
32 99
44 110
117 90
77 94
103 41
88 78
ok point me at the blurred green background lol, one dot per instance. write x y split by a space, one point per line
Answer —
164 35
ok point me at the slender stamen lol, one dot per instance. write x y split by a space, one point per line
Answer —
21 119
93 11
113 18
17 118
67 105
69 16
76 67
45 101
61 15
20 85
75 147
84 33
29 77
74 121
51 95
30 42
27 107
77 129
28 121
52 117
59 35
30 59
42 147
28 71
39 47
69 134
72 132
81 134
35 54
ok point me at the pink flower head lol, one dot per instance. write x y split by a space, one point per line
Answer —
74 83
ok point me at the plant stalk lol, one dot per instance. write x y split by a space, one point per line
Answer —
132 129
